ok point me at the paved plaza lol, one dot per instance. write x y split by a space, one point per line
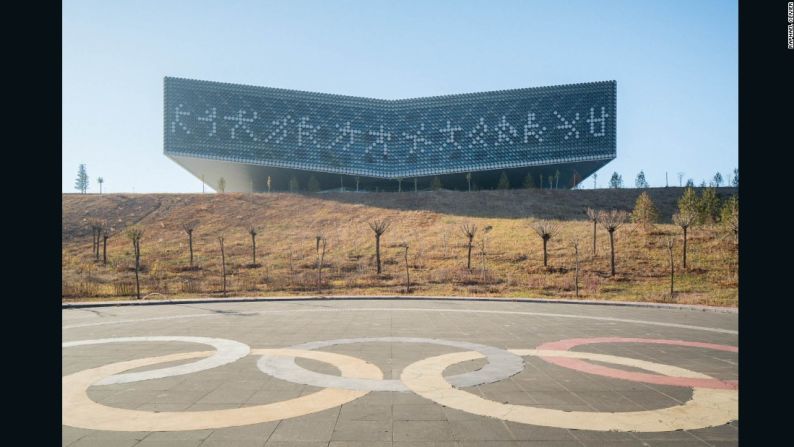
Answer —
398 373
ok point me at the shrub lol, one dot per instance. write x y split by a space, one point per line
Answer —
645 212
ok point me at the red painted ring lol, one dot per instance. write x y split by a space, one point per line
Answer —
587 367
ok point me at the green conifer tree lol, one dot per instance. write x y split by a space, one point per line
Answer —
645 212
709 206
81 183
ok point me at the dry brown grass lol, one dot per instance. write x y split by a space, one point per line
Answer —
427 221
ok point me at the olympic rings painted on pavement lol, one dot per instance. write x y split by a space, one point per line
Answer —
708 407
78 410
587 367
227 351
501 365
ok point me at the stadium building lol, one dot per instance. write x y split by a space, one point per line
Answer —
295 140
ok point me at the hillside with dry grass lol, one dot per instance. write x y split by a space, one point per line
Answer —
429 222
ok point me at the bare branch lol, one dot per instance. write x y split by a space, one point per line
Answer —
379 226
469 230
613 219
546 229
684 219
190 226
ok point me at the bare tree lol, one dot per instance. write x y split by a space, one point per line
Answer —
469 231
96 233
253 230
379 226
404 246
483 252
291 270
685 219
593 216
320 247
576 270
611 221
223 263
672 266
135 234
106 230
445 241
546 230
189 228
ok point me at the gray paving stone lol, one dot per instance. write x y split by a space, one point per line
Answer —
425 444
347 430
427 412
422 431
484 429
313 427
363 411
296 444
93 442
524 432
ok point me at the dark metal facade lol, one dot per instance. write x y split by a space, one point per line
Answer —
391 139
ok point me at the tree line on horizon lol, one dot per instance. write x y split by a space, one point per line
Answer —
552 181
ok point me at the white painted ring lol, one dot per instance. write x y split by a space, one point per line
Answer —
78 410
226 351
707 408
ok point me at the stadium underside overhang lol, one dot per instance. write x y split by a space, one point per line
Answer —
244 177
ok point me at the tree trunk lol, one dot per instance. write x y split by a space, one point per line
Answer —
291 271
685 248
594 239
137 246
407 273
545 257
96 244
468 264
672 273
223 268
105 250
190 245
612 249
377 251
576 272
253 249
320 257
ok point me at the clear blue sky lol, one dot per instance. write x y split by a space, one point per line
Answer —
675 63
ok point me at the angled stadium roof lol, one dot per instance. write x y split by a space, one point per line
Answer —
390 139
